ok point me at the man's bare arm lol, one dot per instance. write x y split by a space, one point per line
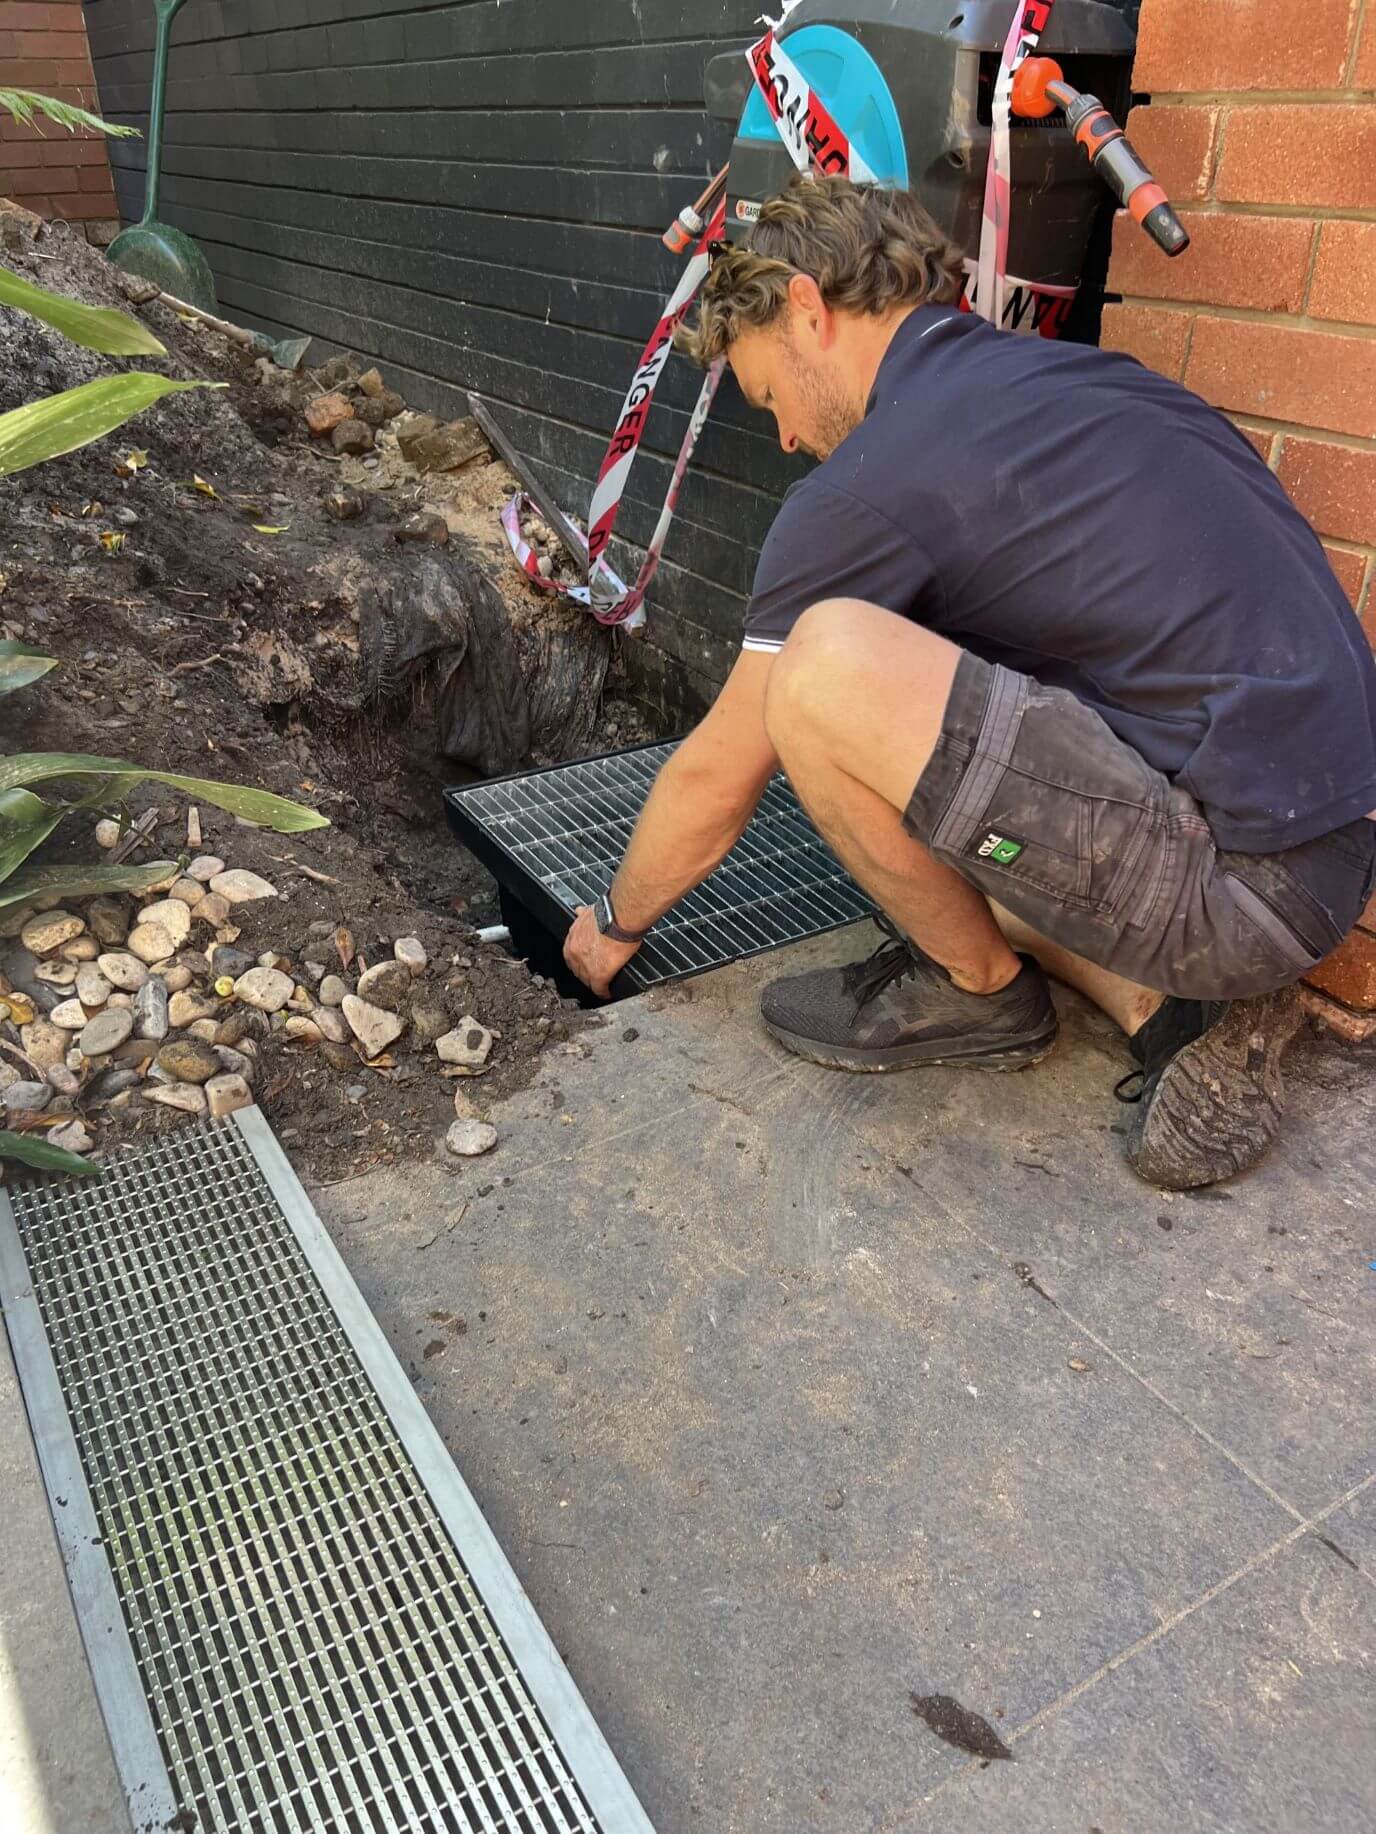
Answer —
696 812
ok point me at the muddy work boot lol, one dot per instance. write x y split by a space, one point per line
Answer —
1210 1093
900 1010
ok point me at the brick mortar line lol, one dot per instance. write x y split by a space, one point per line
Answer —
1254 315
1124 1656
1259 98
1286 213
1354 49
1351 442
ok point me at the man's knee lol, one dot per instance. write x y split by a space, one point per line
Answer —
825 649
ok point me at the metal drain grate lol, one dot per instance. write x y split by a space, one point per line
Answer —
554 839
295 1613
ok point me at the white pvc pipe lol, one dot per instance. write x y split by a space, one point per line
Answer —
495 933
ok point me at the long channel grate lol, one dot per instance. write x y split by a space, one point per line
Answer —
325 1633
554 839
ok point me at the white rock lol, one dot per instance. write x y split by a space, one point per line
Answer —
26 1098
80 949
410 951
49 931
469 1045
176 978
206 868
207 1030
56 974
122 1000
151 943
305 1029
151 1015
212 909
45 1043
267 989
186 1008
9 1076
92 988
333 990
105 1031
169 914
330 1024
73 1138
71 1016
373 1028
470 1139
107 833
188 891
388 984
186 1096
65 1081
122 970
227 1093
241 887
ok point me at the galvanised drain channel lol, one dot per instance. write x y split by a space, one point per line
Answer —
294 1612
554 838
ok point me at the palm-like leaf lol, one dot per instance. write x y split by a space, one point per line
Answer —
28 1149
238 798
24 105
45 429
103 328
20 665
78 881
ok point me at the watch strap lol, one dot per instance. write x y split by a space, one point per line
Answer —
608 926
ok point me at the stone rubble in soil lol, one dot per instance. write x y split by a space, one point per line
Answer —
106 1002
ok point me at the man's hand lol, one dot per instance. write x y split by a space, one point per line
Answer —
596 959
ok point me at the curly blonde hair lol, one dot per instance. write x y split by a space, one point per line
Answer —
869 250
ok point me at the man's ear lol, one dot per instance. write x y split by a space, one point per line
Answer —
812 317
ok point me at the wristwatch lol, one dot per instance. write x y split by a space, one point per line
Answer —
605 918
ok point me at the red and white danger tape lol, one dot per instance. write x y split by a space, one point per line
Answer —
815 142
1029 22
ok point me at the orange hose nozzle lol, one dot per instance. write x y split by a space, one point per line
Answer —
1029 88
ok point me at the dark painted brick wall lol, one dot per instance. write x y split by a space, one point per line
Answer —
472 194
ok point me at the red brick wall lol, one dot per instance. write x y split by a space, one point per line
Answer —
1262 127
43 167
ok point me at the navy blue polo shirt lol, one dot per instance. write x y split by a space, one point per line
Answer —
1069 513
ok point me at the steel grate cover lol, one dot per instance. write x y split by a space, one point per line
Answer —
554 839
295 1613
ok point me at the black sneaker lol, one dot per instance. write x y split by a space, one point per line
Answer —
1210 1087
900 1010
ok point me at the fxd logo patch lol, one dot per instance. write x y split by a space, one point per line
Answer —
1001 849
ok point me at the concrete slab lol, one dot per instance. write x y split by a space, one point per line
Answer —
1256 1713
739 1360
1248 1306
57 1775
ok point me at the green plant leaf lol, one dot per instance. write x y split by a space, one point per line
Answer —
77 881
24 104
22 807
29 1149
46 429
260 806
20 665
20 837
104 328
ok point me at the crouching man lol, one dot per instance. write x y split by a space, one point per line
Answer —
1055 668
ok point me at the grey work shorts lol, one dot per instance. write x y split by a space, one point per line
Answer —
1040 805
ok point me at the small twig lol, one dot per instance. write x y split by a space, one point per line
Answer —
286 859
141 831
187 593
183 667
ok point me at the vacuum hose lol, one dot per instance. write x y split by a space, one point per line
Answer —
1039 89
